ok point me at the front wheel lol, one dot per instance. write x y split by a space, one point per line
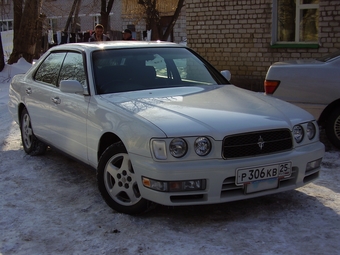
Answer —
333 128
31 143
117 182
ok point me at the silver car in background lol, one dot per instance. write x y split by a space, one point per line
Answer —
312 84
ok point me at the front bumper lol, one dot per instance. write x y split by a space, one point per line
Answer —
220 176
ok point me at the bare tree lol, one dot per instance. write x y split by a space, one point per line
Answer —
75 6
153 19
26 23
105 12
172 24
75 23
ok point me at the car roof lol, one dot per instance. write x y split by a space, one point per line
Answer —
91 46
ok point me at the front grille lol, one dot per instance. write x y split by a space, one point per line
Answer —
257 143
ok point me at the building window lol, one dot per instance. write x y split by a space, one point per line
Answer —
6 25
295 21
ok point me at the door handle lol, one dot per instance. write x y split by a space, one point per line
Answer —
28 91
56 100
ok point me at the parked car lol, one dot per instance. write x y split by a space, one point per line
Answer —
312 85
161 126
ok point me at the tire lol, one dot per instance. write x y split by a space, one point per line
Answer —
117 182
333 128
30 142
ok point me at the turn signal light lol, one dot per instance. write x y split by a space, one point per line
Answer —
270 86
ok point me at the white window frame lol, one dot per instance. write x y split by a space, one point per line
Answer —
96 20
299 7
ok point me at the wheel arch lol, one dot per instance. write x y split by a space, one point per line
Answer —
21 107
327 111
105 141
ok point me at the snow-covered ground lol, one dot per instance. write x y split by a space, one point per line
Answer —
50 205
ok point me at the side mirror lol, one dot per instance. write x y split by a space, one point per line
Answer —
226 74
71 86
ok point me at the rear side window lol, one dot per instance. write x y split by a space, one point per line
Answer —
73 68
48 71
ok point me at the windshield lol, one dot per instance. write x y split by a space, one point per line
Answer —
329 56
122 70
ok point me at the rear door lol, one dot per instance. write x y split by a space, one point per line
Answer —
68 115
39 92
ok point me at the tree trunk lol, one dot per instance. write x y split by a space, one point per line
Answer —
2 57
153 19
169 29
25 37
39 43
74 25
69 19
17 9
104 13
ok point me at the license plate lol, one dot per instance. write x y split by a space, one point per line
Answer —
251 174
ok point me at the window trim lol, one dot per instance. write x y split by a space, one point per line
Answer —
274 30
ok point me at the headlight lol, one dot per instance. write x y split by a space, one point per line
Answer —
178 147
311 130
202 146
298 133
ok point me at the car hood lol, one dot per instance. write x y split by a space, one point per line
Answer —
209 110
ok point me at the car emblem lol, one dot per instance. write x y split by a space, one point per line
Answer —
260 143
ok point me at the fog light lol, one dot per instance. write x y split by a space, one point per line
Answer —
193 185
313 164
187 185
174 186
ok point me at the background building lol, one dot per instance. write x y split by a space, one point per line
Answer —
124 14
246 37
243 36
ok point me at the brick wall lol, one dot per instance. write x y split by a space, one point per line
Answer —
236 35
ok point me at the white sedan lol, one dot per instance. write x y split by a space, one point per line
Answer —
161 125
312 85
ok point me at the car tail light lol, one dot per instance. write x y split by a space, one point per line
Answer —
270 86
